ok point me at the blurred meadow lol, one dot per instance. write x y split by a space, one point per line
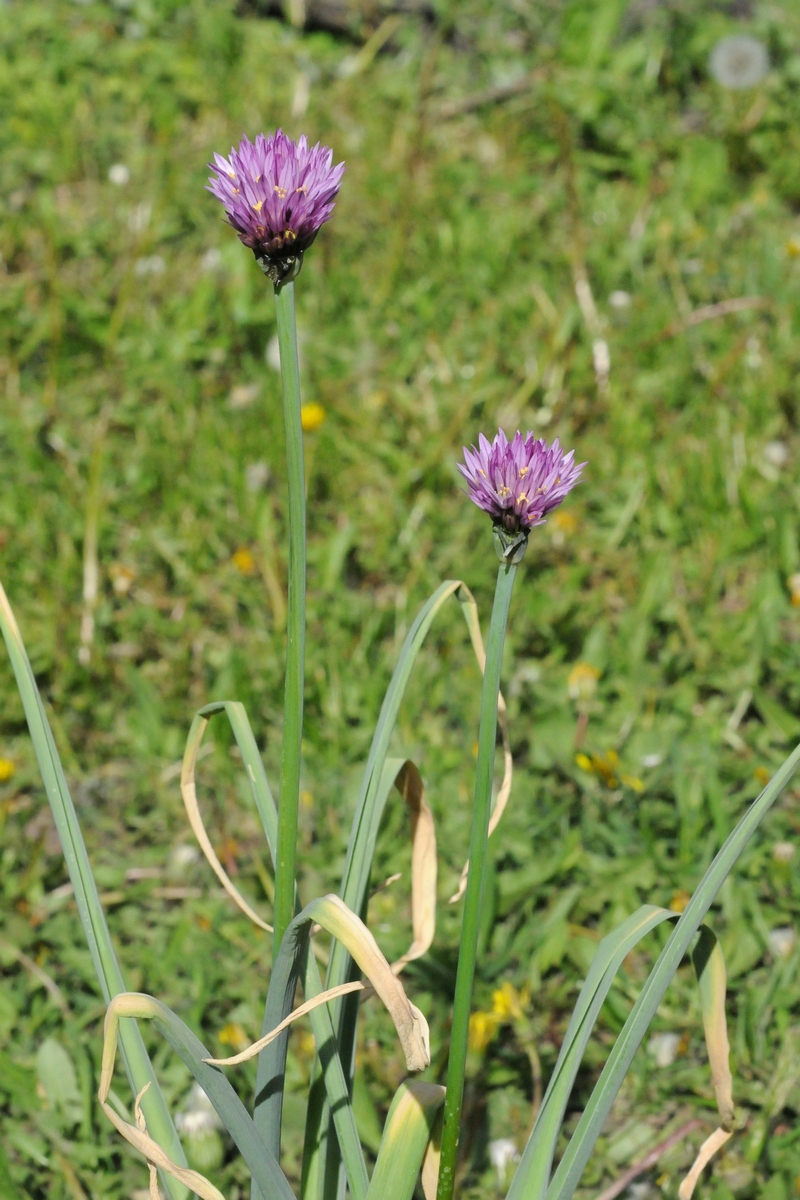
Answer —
553 218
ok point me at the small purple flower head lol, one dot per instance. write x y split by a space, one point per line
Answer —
519 482
277 194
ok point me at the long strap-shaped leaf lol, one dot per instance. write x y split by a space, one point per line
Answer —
334 916
578 1151
262 1164
332 1084
533 1173
406 1135
403 775
375 787
109 976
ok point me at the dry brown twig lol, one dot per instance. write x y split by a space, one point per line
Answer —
650 1159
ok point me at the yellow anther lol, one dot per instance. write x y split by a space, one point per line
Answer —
302 188
481 472
289 235
522 498
258 205
281 192
504 491
523 470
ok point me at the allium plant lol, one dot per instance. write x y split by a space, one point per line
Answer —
277 194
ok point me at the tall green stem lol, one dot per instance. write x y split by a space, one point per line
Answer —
470 928
296 621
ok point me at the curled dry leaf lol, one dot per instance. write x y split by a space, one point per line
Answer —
707 1151
709 965
334 916
134 1004
423 864
189 793
302 1011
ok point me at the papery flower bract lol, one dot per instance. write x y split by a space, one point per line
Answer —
518 482
277 194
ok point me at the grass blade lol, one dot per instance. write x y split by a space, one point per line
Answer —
571 1167
109 976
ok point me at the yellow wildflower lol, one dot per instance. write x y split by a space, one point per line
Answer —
244 560
122 577
762 775
482 1028
794 588
679 900
793 247
305 1043
562 525
311 417
564 520
6 769
582 681
508 1004
234 1035
606 768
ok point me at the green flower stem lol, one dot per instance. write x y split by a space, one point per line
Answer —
470 928
296 621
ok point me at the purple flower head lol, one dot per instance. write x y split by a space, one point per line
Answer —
277 194
519 482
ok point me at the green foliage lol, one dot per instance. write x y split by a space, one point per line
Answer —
439 301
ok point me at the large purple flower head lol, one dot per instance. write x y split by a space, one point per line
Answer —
518 482
277 194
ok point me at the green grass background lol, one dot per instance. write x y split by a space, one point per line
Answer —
137 380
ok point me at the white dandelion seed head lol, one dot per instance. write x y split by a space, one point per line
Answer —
782 941
739 61
119 174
